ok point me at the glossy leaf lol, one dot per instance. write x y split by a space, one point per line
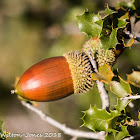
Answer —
105 42
108 11
122 23
96 119
122 133
113 38
121 104
118 135
109 41
125 85
134 78
105 74
100 120
90 23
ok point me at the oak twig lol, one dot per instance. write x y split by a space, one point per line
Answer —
72 132
131 97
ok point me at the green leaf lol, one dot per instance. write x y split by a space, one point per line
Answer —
108 11
96 119
118 89
134 78
122 23
121 105
109 136
122 133
90 23
113 38
105 42
112 122
109 41
125 85
118 135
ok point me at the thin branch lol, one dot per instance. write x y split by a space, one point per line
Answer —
100 85
131 97
93 62
63 127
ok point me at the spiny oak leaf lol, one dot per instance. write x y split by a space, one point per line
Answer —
125 85
109 41
121 105
96 119
108 11
119 135
122 21
100 120
90 23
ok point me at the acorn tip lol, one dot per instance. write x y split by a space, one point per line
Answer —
13 91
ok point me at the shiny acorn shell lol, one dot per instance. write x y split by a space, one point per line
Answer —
47 80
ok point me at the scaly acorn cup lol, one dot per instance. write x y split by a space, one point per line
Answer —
56 78
102 56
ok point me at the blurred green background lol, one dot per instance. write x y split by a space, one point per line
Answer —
32 30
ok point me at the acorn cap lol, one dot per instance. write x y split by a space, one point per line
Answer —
102 56
81 71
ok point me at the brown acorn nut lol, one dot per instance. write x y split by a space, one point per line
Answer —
56 78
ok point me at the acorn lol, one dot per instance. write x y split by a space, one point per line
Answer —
57 77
